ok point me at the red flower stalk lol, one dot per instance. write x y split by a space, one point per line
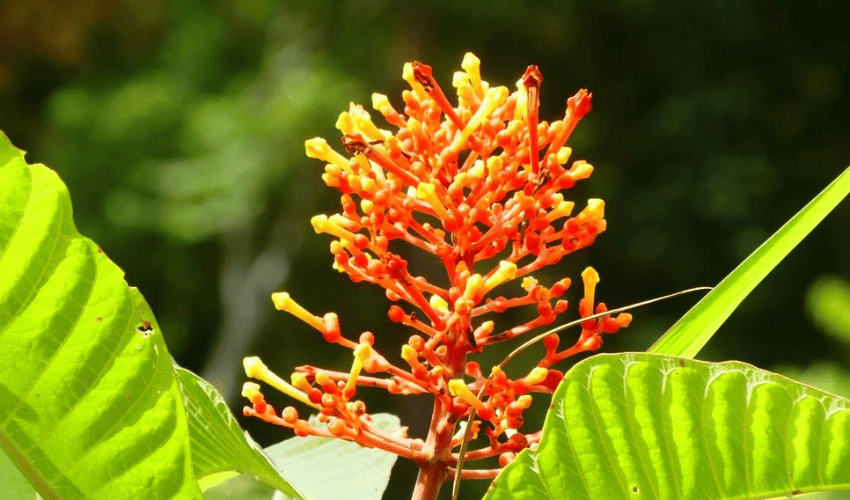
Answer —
478 186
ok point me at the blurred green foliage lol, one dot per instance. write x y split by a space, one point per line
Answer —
179 128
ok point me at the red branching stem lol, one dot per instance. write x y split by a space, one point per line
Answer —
474 473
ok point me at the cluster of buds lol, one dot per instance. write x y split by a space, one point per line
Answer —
478 185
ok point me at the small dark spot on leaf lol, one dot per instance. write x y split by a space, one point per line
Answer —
796 492
100 318
99 250
635 489
146 329
551 406
682 363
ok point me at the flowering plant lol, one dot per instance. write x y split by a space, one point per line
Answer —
478 186
92 405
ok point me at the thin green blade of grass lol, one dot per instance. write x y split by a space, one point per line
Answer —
693 330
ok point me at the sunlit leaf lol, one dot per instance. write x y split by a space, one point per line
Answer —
643 426
218 443
89 405
321 469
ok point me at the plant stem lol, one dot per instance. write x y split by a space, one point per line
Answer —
433 471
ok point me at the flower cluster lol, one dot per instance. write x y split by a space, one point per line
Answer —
477 185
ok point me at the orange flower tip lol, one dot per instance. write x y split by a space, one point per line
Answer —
438 304
532 77
322 378
524 401
409 355
458 388
562 209
362 352
251 390
563 155
494 166
255 368
289 415
381 103
474 286
472 66
493 98
283 302
581 170
624 320
460 78
590 276
345 123
497 374
505 272
299 381
595 208
319 223
483 331
318 148
536 376
528 283
579 104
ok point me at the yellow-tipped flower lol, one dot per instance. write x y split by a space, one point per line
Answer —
427 193
318 148
251 390
474 285
407 74
505 272
321 224
299 380
493 99
595 208
457 387
536 376
581 170
283 302
361 353
439 304
563 155
590 278
256 369
472 66
409 354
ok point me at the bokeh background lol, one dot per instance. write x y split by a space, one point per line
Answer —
179 126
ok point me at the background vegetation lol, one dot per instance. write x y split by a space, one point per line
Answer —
179 128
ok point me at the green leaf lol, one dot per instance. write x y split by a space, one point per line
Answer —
218 443
89 405
322 469
13 486
643 426
695 328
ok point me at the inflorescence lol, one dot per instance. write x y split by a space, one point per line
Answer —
478 186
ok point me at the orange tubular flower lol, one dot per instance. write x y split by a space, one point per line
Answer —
478 185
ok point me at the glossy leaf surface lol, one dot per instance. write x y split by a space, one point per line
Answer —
89 406
642 426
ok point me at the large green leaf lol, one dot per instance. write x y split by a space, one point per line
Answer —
696 327
89 405
322 469
218 443
643 426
